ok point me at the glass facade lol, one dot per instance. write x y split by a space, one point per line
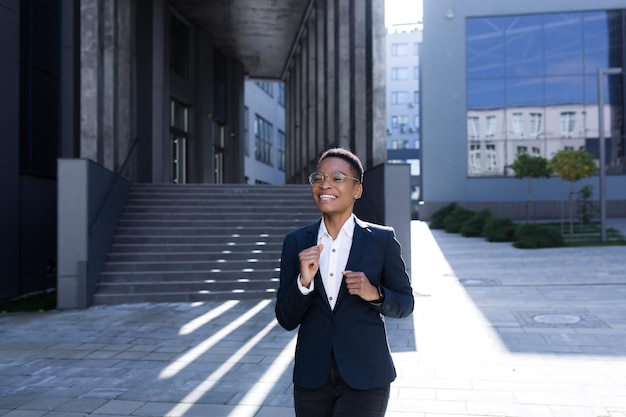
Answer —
532 84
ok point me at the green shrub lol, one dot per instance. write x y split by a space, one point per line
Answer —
498 229
439 216
533 236
474 226
456 219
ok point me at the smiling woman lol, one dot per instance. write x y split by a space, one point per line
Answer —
338 277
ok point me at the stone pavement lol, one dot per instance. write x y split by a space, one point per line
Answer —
496 331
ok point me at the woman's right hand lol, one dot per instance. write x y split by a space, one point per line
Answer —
309 264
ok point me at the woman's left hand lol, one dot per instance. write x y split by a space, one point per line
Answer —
358 284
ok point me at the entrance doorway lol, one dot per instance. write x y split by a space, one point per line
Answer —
179 134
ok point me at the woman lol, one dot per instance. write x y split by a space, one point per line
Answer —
338 277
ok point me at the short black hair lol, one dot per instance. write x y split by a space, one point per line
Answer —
347 156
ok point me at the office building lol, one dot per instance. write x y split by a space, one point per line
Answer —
500 78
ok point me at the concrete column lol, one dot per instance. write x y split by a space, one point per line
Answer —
320 71
376 92
342 49
125 126
312 87
91 79
109 83
359 71
331 84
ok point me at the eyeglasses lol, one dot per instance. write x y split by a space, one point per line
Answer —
334 178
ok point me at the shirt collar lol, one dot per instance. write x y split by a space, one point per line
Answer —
347 228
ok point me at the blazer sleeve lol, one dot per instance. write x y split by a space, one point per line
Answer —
398 301
291 304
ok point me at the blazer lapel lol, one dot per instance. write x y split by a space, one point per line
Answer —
359 240
311 240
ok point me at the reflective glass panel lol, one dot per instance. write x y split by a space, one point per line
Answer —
524 46
532 84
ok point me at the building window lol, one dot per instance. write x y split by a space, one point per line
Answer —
399 144
536 151
399 49
416 73
474 164
492 162
416 121
536 124
416 97
281 94
490 127
394 122
263 140
267 87
518 125
416 48
401 73
522 149
473 128
403 122
399 97
280 150
568 123
246 130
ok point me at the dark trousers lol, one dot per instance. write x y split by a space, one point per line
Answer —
337 399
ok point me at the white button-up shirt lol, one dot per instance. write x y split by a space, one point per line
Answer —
333 259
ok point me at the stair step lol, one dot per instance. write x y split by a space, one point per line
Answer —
206 275
201 242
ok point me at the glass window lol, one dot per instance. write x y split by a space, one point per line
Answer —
394 122
281 94
524 46
485 47
518 125
541 71
568 123
399 49
473 127
267 87
401 73
280 149
563 40
263 140
399 97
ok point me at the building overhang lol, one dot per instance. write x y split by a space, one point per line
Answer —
261 34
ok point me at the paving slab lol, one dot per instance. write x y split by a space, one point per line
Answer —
497 331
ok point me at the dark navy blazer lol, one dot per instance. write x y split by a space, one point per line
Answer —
354 331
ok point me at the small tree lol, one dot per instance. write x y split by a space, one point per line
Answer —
573 165
526 166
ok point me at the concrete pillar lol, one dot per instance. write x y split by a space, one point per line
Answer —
90 79
343 52
106 88
337 81
376 62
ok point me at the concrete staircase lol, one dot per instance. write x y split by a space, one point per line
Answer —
184 243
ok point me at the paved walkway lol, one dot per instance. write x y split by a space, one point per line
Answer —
496 331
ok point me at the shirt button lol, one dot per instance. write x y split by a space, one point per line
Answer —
330 298
334 250
332 275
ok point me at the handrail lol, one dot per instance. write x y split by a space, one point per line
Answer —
118 174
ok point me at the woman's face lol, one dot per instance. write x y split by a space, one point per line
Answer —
336 199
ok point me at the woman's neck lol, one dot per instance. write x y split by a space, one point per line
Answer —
335 223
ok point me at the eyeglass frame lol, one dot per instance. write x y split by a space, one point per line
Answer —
330 181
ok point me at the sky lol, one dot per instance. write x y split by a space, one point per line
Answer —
402 11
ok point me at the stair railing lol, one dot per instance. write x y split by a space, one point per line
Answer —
114 183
